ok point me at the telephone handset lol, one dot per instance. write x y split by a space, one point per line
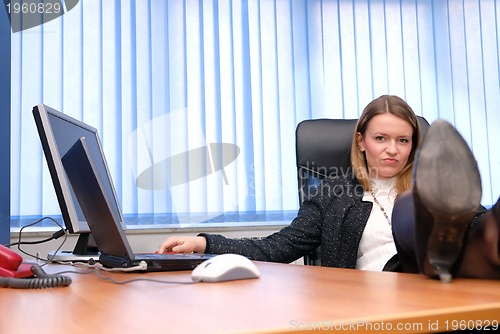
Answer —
11 264
16 274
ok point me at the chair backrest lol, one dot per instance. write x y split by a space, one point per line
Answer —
323 149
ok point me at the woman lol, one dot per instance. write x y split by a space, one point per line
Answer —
350 217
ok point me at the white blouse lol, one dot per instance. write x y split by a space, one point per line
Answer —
377 243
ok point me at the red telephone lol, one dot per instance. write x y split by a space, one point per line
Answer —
11 264
14 273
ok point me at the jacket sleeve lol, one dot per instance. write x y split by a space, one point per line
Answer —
285 246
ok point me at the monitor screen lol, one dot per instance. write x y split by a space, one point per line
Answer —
58 133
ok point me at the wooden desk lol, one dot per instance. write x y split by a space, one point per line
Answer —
286 299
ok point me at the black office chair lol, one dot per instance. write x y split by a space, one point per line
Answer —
323 148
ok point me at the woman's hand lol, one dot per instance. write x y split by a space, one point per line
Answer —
183 245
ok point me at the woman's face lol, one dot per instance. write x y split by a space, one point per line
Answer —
387 144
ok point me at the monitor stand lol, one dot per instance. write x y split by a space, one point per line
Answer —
85 250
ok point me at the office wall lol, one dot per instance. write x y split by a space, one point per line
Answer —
4 128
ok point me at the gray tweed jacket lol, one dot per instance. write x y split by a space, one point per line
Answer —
333 219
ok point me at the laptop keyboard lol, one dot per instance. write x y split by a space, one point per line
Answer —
173 256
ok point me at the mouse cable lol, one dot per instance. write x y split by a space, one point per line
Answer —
92 264
99 267
98 274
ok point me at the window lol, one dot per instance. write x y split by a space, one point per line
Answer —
196 102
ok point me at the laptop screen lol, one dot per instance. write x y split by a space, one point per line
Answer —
80 165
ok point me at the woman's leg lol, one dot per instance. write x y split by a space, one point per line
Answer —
403 229
481 257
446 195
439 227
411 230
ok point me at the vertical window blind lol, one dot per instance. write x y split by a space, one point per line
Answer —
196 101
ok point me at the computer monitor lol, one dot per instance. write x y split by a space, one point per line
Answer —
58 133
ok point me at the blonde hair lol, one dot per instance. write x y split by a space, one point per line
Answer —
395 106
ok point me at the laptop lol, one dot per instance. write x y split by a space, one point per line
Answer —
114 248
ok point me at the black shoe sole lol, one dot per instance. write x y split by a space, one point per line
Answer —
448 184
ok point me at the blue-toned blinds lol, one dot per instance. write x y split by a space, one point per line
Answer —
197 101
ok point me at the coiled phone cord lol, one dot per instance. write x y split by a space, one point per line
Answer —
42 280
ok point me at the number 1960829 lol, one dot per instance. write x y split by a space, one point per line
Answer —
34 8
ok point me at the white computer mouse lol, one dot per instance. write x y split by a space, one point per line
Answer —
225 267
